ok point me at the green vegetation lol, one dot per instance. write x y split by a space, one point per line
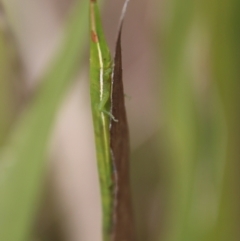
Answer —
101 69
24 153
188 169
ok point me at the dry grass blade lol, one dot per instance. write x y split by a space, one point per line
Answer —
123 229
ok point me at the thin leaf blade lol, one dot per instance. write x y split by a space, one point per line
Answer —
124 223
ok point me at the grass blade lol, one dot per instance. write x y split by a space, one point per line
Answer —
194 125
124 224
223 21
9 75
100 90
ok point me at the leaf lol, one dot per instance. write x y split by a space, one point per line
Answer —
22 161
124 225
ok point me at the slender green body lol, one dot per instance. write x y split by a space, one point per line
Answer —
100 90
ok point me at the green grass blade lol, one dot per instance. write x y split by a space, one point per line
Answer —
22 161
223 21
180 119
100 90
194 126
10 77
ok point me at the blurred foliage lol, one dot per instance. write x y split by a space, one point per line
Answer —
185 178
23 156
9 75
224 26
200 85
148 181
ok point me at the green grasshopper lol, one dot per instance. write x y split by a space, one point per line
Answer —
103 73
101 69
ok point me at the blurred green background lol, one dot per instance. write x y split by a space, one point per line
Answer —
181 79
